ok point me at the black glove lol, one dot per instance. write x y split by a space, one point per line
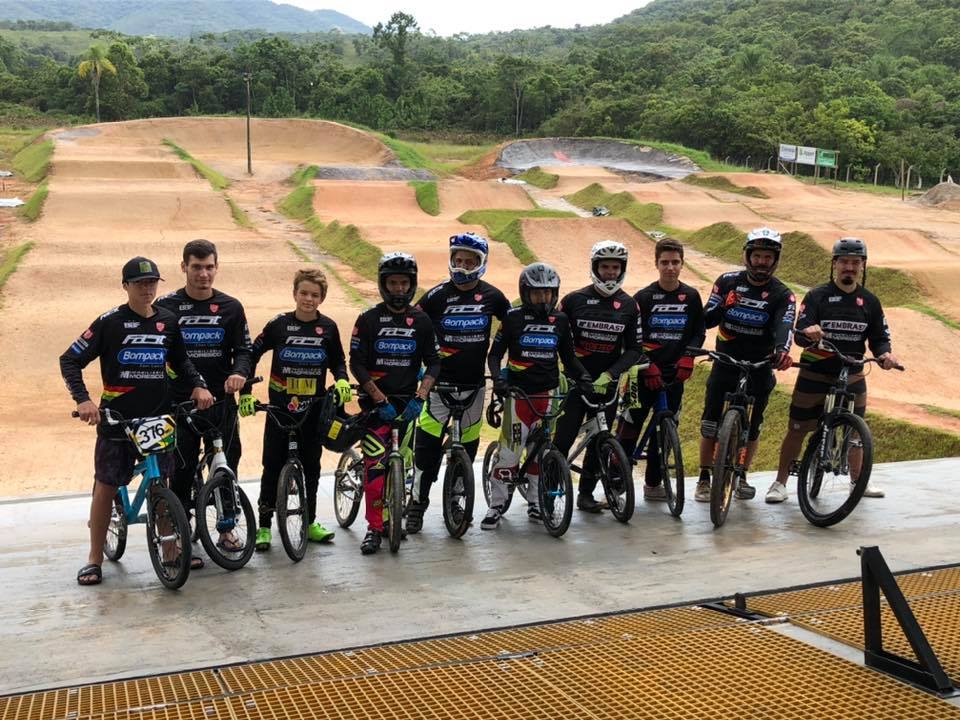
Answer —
500 386
585 386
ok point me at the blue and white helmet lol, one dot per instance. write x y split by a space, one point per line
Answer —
470 243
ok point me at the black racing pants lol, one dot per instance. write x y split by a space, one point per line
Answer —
568 425
224 416
631 425
275 448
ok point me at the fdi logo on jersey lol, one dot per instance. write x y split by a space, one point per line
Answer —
465 323
539 341
304 355
397 346
142 356
202 336
748 316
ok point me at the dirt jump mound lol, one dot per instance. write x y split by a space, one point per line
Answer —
944 195
612 154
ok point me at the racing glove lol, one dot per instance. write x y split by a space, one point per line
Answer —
585 386
387 412
602 382
247 406
782 360
344 392
652 377
412 410
732 298
684 368
500 386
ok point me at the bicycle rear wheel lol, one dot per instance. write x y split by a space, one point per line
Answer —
348 488
395 492
616 474
489 460
724 468
458 490
829 486
168 537
220 510
555 492
292 511
116 542
671 465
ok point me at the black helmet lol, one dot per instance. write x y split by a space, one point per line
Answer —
850 246
535 276
763 238
337 430
397 263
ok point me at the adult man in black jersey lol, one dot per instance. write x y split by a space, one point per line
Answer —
134 342
214 329
605 324
849 316
672 320
390 343
754 313
305 344
462 311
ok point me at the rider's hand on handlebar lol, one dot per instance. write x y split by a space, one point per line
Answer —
585 385
601 383
202 398
234 384
247 406
652 377
387 412
344 391
412 410
500 385
684 368
814 333
89 412
782 360
888 361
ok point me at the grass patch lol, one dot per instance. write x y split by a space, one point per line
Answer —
895 288
298 205
718 182
427 196
927 310
11 259
355 297
216 180
346 242
622 205
446 158
299 252
505 226
538 178
33 161
943 412
887 190
240 216
700 157
34 206
302 175
13 140
407 154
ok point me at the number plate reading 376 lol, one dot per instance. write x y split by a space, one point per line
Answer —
154 434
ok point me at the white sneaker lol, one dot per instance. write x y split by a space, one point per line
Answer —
871 491
777 493
702 493
492 520
654 492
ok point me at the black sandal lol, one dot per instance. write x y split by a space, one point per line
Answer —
92 570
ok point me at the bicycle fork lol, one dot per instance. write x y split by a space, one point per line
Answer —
225 522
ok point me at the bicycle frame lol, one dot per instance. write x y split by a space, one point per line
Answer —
149 469
595 425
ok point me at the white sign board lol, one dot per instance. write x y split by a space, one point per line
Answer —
788 152
807 155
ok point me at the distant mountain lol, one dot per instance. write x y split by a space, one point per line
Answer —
181 18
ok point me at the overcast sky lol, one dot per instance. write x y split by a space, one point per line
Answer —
447 17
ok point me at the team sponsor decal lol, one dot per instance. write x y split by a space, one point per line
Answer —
214 307
293 328
144 339
539 340
764 294
131 325
396 346
202 336
478 297
681 297
601 326
181 308
303 355
752 303
87 334
748 316
860 302
142 356
409 322
552 318
112 392
195 320
668 321
616 304
669 308
318 330
356 330
396 332
465 323
844 325
160 326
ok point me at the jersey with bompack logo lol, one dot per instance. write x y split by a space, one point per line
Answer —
134 352
462 320
606 330
672 321
534 345
389 349
850 321
215 333
302 354
758 324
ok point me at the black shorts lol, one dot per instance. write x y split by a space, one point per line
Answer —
723 380
114 460
806 405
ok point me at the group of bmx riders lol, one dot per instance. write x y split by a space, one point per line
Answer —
200 349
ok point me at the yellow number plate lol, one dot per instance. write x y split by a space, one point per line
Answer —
301 386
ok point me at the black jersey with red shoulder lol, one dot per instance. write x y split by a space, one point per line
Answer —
462 320
303 352
215 333
851 321
607 333
134 352
754 320
534 345
389 348
672 321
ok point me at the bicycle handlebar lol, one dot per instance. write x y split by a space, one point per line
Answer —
725 359
521 394
850 359
112 417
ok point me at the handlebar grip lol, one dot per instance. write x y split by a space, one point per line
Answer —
74 414
255 380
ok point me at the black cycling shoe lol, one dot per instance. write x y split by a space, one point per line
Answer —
371 542
414 522
588 504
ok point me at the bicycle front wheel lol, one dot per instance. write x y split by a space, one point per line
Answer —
555 492
395 492
168 537
226 522
671 465
292 511
835 469
348 488
458 493
116 542
616 474
724 467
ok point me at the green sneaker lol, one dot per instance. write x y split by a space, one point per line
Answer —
318 533
263 538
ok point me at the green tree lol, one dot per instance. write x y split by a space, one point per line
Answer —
94 66
394 37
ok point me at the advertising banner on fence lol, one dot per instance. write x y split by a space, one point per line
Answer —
827 158
788 153
806 155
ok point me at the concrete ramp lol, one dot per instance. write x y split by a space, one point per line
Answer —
611 154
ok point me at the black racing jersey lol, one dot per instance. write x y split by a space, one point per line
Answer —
672 320
758 324
134 352
302 354
850 321
216 335
606 330
462 320
389 349
533 345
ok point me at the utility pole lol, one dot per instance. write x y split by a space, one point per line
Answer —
247 77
